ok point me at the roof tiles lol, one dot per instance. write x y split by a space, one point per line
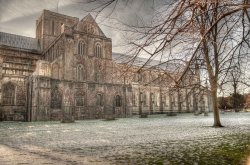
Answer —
18 41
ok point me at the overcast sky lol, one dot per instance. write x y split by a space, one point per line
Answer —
19 16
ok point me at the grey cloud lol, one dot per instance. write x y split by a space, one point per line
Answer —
19 17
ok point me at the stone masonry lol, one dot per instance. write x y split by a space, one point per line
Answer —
69 70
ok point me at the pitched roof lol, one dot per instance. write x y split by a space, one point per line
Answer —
89 18
17 41
139 61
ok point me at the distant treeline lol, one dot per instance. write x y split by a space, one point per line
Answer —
234 101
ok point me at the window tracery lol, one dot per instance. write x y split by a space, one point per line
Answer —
79 73
81 48
98 50
118 101
56 98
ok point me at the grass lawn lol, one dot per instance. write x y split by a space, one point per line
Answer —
227 150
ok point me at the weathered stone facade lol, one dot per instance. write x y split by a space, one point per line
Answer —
71 73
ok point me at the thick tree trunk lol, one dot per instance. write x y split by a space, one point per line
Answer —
213 82
216 111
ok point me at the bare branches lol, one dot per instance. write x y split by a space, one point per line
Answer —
214 32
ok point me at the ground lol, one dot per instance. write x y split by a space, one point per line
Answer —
159 139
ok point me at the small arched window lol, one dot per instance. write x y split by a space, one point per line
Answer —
55 71
79 73
99 99
143 98
98 50
164 98
172 99
118 101
139 77
8 94
81 48
134 99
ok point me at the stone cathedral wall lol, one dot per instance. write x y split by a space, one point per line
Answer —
72 72
15 66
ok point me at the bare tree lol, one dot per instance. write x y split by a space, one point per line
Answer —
237 79
213 31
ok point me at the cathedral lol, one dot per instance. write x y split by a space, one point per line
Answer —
70 72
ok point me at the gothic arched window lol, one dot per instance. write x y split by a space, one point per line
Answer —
152 98
56 98
139 77
81 48
172 97
98 73
99 99
134 99
79 99
79 73
118 101
98 50
164 98
55 71
8 94
143 98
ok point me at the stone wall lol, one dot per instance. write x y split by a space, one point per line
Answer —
75 74
15 66
51 98
49 24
